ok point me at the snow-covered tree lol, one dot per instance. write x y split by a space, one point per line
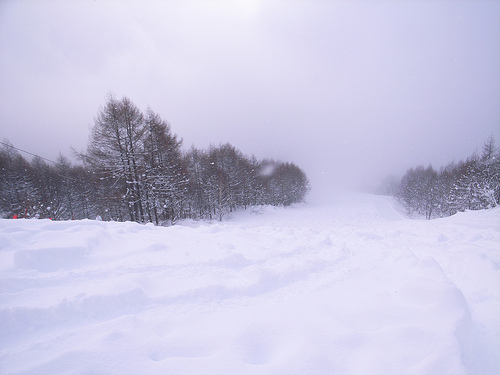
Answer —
470 185
17 192
489 165
165 174
115 151
419 190
134 169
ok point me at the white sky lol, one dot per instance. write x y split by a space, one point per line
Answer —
349 90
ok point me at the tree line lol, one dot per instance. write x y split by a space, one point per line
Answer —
134 169
473 184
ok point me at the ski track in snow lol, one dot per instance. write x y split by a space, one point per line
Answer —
352 287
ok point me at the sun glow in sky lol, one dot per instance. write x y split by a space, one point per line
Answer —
248 7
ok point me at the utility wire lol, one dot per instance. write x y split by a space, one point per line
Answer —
27 152
38 156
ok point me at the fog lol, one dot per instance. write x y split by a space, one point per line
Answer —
349 91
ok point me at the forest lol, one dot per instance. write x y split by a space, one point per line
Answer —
473 184
134 169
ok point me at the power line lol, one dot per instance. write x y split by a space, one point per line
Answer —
38 156
27 152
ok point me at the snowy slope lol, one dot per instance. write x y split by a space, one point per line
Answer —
352 287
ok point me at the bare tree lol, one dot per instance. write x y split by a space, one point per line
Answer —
115 151
165 175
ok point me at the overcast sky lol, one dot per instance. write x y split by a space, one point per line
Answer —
348 90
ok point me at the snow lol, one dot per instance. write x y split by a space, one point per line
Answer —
349 287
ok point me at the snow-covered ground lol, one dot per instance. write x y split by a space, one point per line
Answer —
352 287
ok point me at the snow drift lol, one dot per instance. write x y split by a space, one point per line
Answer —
352 287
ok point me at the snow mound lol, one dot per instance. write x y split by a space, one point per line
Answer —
352 287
